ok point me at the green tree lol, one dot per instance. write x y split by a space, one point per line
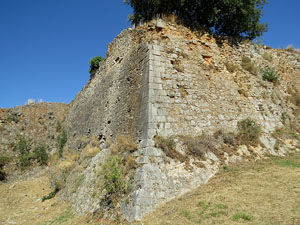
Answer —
239 19
94 63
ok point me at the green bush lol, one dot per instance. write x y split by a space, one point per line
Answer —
269 74
51 194
23 147
26 155
94 63
40 154
113 175
61 141
249 131
236 18
3 160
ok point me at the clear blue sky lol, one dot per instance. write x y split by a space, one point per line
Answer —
45 45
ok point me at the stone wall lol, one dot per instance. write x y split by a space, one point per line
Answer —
188 91
109 104
161 79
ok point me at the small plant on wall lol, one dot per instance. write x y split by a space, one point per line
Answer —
269 74
94 63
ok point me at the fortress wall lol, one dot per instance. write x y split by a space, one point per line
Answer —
109 104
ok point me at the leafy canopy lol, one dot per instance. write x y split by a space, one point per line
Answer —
239 19
94 63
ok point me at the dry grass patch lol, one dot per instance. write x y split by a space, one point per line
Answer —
266 192
124 143
248 65
232 67
168 145
90 152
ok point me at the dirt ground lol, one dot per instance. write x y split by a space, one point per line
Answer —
266 192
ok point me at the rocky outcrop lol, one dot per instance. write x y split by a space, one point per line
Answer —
40 122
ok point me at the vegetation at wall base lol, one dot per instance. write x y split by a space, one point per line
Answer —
238 19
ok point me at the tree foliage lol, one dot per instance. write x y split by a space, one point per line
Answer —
94 63
239 19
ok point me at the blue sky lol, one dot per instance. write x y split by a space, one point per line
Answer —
45 45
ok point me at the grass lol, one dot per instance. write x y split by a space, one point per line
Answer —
232 67
167 144
289 161
199 145
63 218
240 215
248 65
265 192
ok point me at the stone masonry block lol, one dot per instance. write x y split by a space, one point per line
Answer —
155 86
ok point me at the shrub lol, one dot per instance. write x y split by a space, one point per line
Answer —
269 74
114 181
226 137
231 67
61 141
94 63
248 65
3 160
199 145
249 131
23 147
167 144
51 194
12 117
40 154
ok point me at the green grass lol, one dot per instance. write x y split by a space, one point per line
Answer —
187 214
293 162
63 218
240 215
